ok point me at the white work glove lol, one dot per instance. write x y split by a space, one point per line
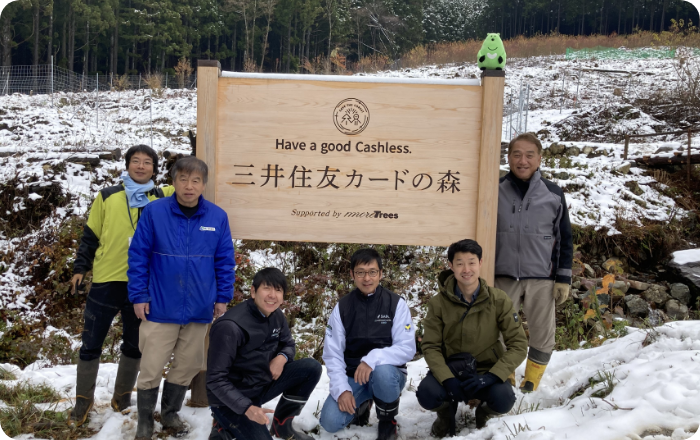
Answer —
561 292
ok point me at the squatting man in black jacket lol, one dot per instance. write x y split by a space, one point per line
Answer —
251 361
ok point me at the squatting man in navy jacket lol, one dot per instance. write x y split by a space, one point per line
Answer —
180 277
369 339
251 361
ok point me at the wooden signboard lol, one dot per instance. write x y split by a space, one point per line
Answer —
353 159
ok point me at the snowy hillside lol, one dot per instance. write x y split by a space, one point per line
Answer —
653 393
66 149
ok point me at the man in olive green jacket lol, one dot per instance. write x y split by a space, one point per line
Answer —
464 321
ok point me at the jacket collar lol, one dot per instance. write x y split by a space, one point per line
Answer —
201 210
536 177
255 311
377 292
447 288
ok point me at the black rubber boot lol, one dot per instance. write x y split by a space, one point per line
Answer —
444 424
386 414
84 392
483 414
146 404
124 384
218 432
362 413
288 408
198 394
170 405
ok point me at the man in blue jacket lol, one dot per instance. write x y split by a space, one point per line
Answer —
180 277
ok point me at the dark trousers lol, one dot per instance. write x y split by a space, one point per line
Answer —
299 378
499 397
103 303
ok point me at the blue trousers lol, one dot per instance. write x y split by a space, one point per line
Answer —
385 383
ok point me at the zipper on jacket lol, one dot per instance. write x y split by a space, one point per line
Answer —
187 270
528 204
513 206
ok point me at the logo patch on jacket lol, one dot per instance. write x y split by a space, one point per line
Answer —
276 333
329 331
547 237
515 317
407 327
207 228
383 319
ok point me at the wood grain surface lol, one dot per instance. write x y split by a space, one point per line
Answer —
440 125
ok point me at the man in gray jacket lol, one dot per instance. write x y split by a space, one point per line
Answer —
534 249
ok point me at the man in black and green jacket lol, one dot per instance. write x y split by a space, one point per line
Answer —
461 345
103 249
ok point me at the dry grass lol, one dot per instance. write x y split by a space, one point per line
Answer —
154 81
121 82
521 47
183 70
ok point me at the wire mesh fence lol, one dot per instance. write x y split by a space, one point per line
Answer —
47 78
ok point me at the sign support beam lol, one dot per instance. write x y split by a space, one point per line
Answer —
493 83
208 73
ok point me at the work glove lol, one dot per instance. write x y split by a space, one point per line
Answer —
474 384
454 389
561 292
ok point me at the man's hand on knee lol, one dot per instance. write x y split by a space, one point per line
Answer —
362 373
346 402
258 415
141 310
277 366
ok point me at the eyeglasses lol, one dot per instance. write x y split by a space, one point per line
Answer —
136 162
361 273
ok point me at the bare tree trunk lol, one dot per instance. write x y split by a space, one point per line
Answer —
663 16
289 47
64 38
49 43
86 51
115 47
150 46
6 39
234 48
71 40
329 10
35 21
559 16
269 9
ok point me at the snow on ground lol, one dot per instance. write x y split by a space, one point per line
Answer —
656 396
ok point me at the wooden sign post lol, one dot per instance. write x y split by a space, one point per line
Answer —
353 159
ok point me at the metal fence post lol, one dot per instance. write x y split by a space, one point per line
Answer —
51 80
627 146
150 111
689 135
166 80
97 98
527 106
139 81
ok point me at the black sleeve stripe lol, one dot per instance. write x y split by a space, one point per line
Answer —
106 192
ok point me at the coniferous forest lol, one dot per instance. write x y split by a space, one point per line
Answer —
148 36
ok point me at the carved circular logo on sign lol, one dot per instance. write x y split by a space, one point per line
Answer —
351 116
